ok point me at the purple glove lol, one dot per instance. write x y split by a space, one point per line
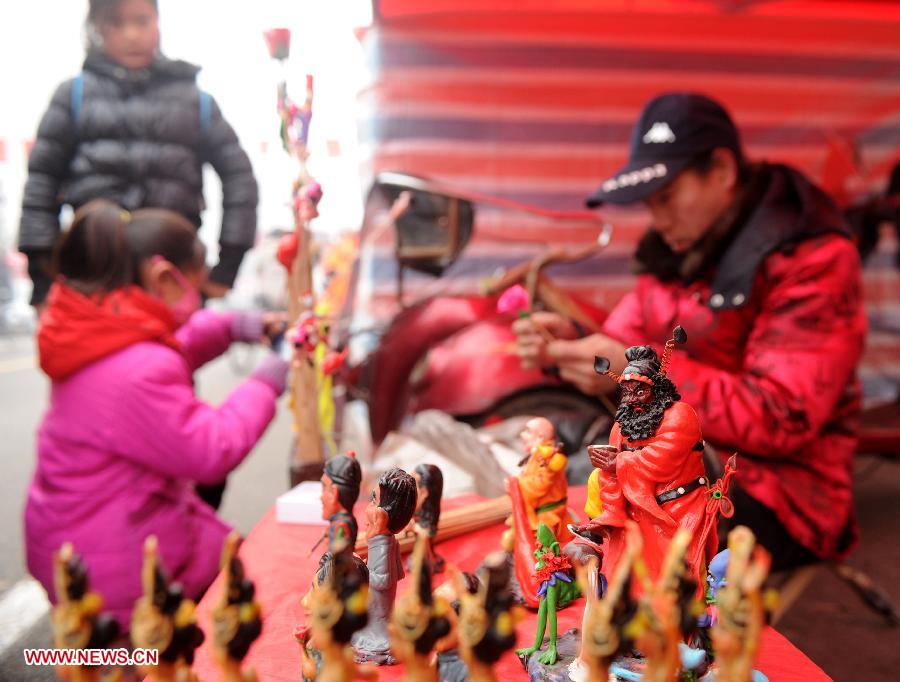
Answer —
247 326
272 371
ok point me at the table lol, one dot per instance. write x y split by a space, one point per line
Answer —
274 556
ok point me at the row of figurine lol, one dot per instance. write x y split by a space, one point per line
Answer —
651 509
460 630
162 620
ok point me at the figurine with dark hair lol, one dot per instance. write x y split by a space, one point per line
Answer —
652 471
487 619
164 620
450 665
419 620
337 610
390 509
77 621
237 621
429 489
340 490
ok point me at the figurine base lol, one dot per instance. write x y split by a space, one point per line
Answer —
451 667
568 644
376 658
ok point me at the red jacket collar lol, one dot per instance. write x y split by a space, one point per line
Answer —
76 330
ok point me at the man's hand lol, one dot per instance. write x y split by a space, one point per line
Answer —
603 456
531 343
575 360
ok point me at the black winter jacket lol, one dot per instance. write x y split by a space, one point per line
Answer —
138 141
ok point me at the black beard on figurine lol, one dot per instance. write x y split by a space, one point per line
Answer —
642 425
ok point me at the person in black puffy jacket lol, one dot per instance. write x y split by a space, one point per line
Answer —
134 128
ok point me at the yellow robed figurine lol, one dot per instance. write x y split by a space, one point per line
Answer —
419 620
236 619
164 621
77 621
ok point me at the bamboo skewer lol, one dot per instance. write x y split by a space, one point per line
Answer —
454 522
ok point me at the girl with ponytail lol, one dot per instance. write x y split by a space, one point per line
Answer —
125 439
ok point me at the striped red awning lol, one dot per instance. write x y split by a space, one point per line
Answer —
534 101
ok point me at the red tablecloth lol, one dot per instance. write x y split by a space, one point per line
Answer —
274 556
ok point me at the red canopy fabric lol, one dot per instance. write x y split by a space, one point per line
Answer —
274 557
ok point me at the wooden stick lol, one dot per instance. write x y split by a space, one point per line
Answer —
453 523
304 377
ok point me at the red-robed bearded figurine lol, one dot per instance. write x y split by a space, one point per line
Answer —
652 470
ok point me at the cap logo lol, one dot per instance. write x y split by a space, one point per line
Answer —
637 177
660 132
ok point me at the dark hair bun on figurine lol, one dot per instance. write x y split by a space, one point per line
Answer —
398 496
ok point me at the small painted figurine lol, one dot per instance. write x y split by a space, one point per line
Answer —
543 480
77 619
604 633
450 665
236 619
539 495
652 471
557 590
338 608
487 620
429 489
741 607
666 613
340 490
420 619
164 620
390 509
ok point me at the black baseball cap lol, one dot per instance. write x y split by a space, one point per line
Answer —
673 129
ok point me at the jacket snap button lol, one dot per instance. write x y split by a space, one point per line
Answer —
681 491
717 300
737 299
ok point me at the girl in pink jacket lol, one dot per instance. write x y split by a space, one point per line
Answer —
125 438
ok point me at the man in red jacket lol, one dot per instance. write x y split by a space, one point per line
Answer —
758 266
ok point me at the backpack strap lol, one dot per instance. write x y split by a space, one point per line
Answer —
77 97
205 111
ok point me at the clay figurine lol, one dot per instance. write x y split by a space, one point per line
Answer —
539 495
487 620
451 667
77 619
164 620
741 608
419 621
651 472
429 489
557 590
236 619
665 611
390 509
604 634
340 490
337 610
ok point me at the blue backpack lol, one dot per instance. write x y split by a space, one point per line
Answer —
78 99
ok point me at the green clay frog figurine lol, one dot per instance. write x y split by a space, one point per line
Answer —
557 590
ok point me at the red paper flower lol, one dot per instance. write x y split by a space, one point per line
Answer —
278 41
514 300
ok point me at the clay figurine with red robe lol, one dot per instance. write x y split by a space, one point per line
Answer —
651 472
